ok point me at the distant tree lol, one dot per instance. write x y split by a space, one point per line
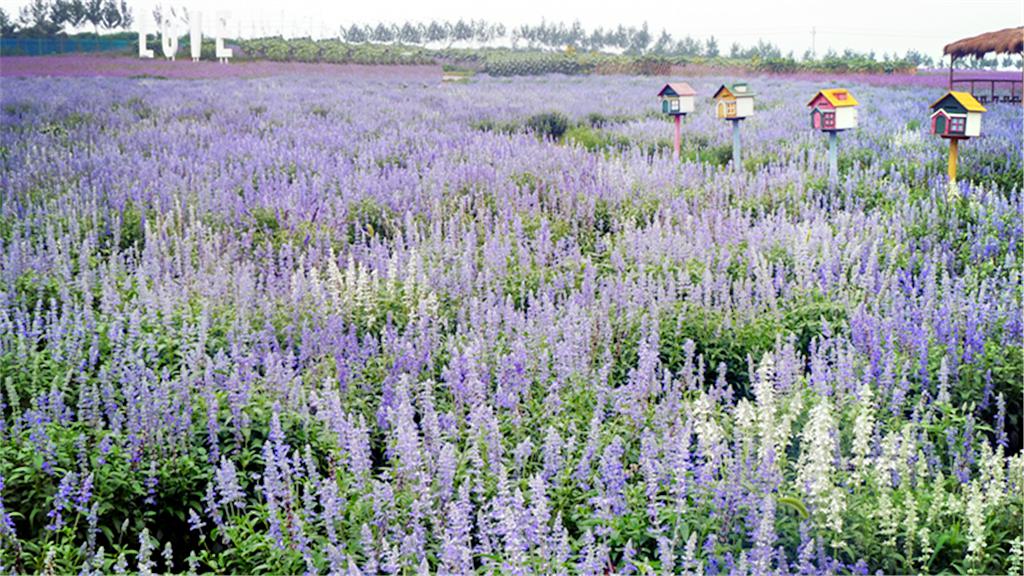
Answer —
382 34
688 47
410 34
766 50
461 32
523 33
663 45
711 48
94 13
620 38
481 31
539 35
127 18
436 32
69 13
76 12
356 34
179 14
735 50
60 13
158 16
112 15
7 26
597 39
37 17
915 58
576 35
556 36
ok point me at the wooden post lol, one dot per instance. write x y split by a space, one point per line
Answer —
736 145
833 157
954 152
675 143
951 60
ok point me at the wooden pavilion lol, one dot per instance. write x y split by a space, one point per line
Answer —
1006 41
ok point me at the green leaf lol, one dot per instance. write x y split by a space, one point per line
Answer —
795 504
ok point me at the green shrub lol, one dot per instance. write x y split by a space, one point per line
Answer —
548 124
587 137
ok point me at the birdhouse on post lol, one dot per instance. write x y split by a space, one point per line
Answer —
734 101
677 98
677 101
833 110
956 116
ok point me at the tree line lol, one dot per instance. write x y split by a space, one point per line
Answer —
51 17
629 40
54 17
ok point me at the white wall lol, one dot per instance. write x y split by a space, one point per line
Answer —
846 118
973 124
744 107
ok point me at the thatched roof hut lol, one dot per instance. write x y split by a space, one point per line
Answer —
1007 41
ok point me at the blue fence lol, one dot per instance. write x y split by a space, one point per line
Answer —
45 46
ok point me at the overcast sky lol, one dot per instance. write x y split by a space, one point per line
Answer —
879 25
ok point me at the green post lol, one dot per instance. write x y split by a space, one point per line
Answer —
833 157
736 144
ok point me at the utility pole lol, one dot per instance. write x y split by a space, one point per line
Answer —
814 32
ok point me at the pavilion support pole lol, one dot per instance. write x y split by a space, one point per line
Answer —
675 142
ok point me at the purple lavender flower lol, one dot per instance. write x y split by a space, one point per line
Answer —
62 501
195 523
227 485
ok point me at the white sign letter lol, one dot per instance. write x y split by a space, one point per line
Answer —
222 53
169 41
195 38
144 51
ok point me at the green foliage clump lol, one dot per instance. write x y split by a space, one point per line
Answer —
734 343
593 140
548 124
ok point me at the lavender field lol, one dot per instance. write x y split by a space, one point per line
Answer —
379 325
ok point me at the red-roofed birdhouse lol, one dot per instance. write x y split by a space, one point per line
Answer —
833 110
677 98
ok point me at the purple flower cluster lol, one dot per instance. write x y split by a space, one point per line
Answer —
390 341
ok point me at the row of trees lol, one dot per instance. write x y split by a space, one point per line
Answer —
53 17
630 40
544 36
